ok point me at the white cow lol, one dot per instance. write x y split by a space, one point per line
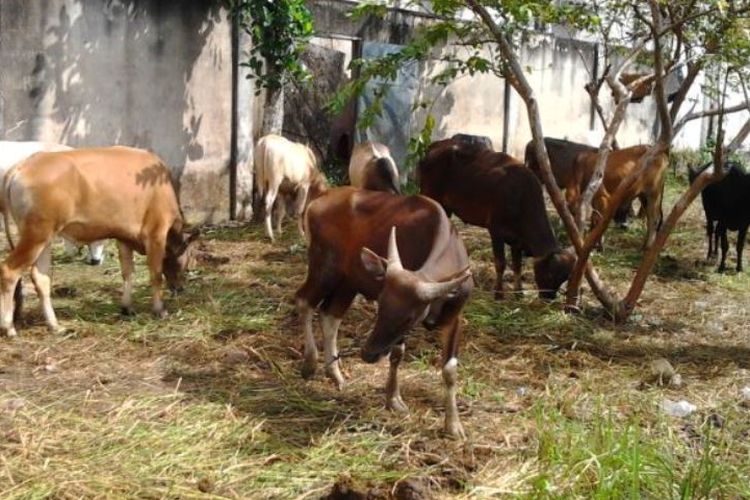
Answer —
372 167
12 152
289 168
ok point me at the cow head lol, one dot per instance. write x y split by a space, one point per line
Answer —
404 299
552 271
178 257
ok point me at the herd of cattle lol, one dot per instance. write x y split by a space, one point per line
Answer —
364 239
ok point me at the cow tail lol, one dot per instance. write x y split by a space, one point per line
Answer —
18 292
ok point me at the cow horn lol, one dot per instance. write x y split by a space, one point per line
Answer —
429 291
394 259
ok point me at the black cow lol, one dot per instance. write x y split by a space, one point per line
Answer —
727 207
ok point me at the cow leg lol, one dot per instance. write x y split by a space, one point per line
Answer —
710 236
310 363
516 255
40 275
332 311
24 255
330 325
279 211
125 254
498 251
393 399
740 245
155 258
716 241
299 208
269 198
450 376
722 230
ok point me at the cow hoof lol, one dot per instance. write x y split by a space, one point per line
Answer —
454 430
11 332
127 312
56 330
308 370
499 295
337 378
161 314
94 262
396 404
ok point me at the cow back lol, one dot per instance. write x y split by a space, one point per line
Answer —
344 220
115 192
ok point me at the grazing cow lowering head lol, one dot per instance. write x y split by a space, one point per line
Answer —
495 191
178 257
404 300
424 278
87 195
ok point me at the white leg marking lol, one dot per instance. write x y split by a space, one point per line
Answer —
330 325
393 399
40 275
126 268
452 423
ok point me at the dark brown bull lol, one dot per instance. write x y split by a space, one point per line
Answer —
422 279
495 191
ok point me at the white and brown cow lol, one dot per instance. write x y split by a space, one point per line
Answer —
12 152
87 195
424 278
288 168
372 167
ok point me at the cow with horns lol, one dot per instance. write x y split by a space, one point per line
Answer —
402 251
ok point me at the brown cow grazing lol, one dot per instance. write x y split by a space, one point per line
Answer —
372 167
423 278
573 165
495 191
87 195
289 168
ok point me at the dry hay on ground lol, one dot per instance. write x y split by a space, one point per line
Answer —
209 403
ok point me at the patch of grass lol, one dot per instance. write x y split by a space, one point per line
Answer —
210 403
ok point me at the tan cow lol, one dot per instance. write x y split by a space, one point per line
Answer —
287 168
12 152
87 195
372 167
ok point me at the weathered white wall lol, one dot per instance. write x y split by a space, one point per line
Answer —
146 73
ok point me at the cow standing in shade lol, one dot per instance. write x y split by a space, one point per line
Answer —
495 191
402 251
87 195
372 167
12 152
287 168
726 204
573 165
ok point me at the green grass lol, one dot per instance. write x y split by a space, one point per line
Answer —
209 402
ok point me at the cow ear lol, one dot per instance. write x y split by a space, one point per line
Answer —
374 263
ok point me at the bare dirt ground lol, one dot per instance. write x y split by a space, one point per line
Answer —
209 402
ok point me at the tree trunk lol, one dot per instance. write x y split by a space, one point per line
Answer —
273 112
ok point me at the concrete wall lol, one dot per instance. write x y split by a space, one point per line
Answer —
146 73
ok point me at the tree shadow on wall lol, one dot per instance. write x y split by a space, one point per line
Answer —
122 72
